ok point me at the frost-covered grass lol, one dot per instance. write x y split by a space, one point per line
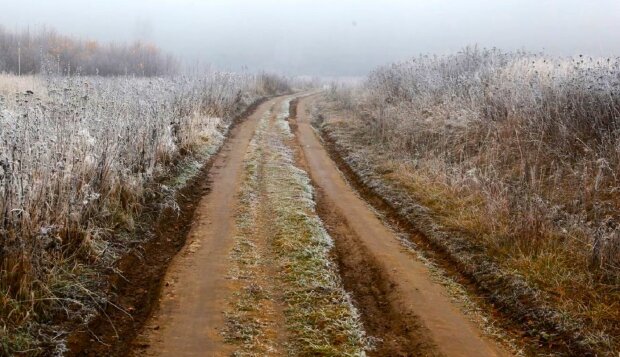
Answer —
320 317
251 317
11 84
288 296
519 151
78 158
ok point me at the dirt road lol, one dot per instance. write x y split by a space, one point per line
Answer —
257 277
189 319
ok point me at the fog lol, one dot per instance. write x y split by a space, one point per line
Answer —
319 37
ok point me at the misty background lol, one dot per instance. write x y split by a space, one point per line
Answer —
329 38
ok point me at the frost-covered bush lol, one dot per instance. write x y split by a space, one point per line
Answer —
536 135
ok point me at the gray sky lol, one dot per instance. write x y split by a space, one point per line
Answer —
337 37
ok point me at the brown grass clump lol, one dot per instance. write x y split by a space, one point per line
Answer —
518 151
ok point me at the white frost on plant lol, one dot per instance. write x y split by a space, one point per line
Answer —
283 116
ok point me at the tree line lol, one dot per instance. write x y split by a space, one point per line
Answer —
46 51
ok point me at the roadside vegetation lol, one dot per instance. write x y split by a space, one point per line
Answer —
80 157
514 155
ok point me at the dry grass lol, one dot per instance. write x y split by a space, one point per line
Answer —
79 156
11 85
518 151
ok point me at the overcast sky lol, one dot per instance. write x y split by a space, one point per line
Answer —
337 37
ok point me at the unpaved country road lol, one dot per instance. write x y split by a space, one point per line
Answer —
398 302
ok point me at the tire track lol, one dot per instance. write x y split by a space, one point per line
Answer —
189 319
400 304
